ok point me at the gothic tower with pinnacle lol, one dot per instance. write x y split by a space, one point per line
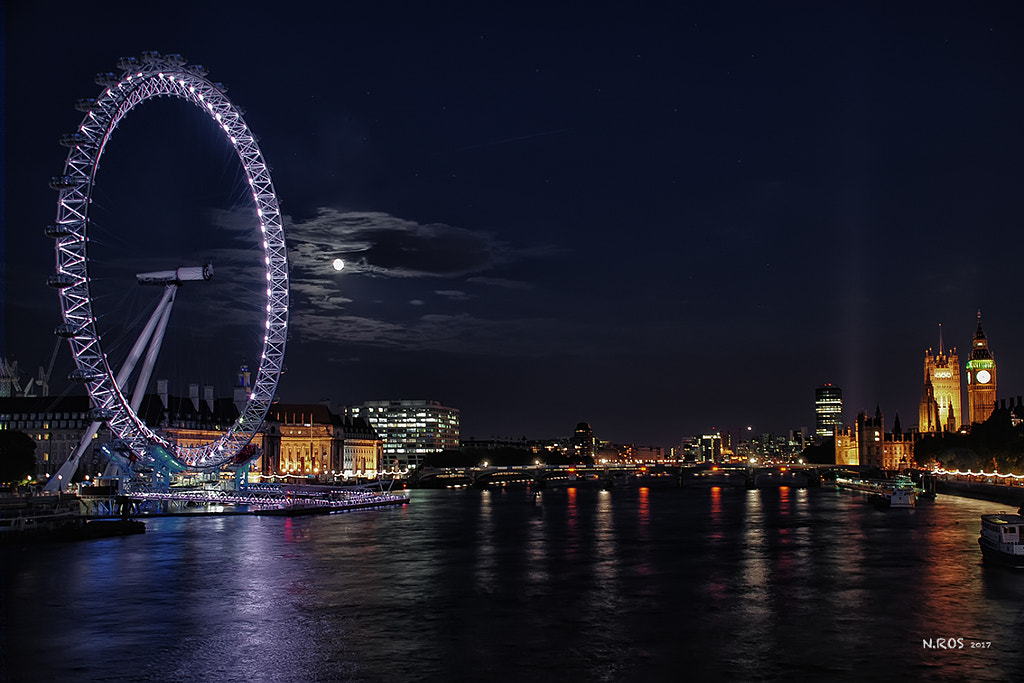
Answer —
981 378
940 403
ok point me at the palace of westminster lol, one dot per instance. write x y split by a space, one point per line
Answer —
941 409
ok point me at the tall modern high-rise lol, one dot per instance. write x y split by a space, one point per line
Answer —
828 410
981 378
583 444
940 402
410 429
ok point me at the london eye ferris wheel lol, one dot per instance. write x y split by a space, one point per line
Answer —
141 79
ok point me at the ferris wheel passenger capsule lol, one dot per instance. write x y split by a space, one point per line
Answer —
107 79
63 182
60 281
87 104
100 414
174 60
128 63
73 139
58 230
150 57
81 376
67 330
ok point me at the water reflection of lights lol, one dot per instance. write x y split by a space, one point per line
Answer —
571 492
536 552
644 513
715 533
756 607
485 551
606 567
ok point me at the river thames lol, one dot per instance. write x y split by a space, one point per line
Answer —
512 585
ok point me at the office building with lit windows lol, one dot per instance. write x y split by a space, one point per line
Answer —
828 411
410 429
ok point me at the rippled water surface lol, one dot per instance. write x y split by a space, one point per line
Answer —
513 585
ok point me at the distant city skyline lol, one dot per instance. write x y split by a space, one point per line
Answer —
657 221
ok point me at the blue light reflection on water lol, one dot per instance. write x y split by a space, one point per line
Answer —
510 584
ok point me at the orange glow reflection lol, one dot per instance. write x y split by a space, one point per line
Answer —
715 532
572 507
645 507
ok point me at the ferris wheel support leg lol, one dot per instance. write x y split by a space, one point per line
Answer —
62 479
157 321
154 346
144 338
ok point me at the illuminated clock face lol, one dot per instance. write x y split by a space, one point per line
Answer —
983 377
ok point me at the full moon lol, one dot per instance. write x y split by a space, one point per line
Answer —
338 264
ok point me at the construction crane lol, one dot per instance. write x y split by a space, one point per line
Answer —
43 380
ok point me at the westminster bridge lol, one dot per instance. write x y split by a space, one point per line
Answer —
612 475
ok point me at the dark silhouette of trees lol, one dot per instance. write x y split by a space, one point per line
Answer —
17 456
996 444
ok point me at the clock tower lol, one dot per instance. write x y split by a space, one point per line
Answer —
981 378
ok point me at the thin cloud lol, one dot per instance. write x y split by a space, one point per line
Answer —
501 282
375 243
324 307
453 294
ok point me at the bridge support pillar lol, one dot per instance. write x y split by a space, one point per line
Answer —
813 478
928 484
242 478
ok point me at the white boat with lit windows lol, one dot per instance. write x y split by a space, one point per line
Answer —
1002 539
903 497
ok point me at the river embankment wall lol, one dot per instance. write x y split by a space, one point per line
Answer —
1010 495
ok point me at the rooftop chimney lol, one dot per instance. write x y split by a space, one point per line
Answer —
161 391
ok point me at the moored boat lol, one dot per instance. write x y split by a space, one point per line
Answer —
1002 539
903 498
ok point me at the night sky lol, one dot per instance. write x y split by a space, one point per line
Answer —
658 222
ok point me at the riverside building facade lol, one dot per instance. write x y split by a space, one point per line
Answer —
410 429
309 440
56 425
870 445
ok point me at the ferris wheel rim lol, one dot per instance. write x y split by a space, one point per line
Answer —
141 80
